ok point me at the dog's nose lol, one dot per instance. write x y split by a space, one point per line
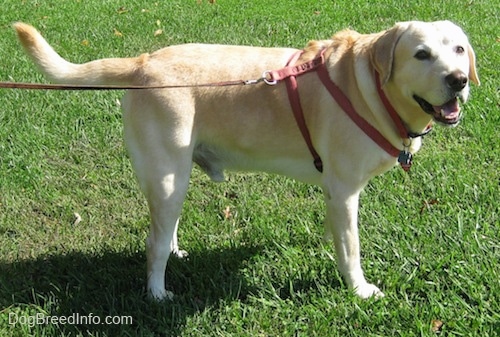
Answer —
457 80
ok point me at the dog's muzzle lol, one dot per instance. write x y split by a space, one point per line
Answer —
448 113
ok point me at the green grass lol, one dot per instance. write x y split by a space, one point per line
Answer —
430 239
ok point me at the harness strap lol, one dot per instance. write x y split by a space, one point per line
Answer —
346 105
294 70
293 96
403 133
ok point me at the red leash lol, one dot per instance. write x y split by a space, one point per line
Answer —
41 86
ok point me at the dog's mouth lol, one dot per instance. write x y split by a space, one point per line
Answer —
447 114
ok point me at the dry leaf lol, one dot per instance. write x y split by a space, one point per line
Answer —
436 325
427 204
118 33
77 220
158 32
85 43
227 213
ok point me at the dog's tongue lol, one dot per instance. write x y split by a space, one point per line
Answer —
449 110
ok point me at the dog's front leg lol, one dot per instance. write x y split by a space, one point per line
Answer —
342 223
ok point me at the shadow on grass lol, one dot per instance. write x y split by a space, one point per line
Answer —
113 284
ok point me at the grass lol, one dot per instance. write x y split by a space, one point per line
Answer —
257 265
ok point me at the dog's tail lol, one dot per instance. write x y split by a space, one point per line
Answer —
112 71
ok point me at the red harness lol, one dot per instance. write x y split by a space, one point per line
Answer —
289 74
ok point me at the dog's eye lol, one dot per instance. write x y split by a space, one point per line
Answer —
422 55
459 50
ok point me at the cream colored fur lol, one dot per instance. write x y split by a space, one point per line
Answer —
253 128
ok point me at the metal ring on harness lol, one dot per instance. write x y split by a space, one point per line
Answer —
266 75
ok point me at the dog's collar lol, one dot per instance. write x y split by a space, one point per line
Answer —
289 73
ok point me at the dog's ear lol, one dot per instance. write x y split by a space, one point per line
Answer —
472 66
382 50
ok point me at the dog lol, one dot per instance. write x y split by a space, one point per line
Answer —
424 70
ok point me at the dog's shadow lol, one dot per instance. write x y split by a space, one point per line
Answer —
113 284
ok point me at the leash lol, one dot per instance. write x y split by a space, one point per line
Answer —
270 77
41 86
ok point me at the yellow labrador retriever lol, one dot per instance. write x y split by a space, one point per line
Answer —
424 70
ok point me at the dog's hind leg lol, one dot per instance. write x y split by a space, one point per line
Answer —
161 154
164 180
165 199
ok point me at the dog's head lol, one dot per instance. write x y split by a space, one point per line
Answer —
426 65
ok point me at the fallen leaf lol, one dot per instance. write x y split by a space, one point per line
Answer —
85 43
227 213
426 204
118 33
77 220
436 325
158 32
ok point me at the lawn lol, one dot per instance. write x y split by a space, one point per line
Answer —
257 263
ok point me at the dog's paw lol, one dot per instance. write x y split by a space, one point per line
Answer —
180 254
368 290
159 295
